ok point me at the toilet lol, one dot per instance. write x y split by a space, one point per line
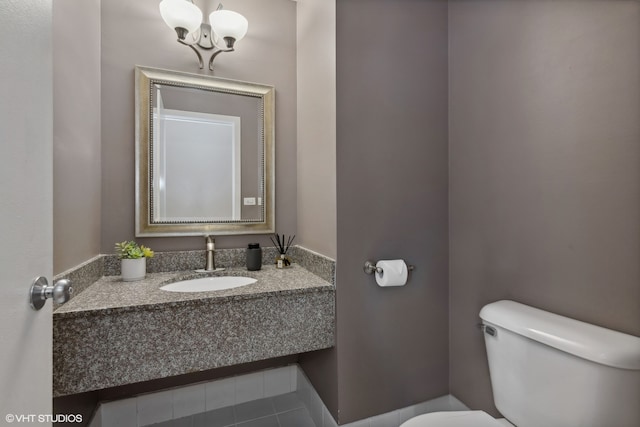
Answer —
549 370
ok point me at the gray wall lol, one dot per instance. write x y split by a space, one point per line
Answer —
76 132
133 33
391 203
545 183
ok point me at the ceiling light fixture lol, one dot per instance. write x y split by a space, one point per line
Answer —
225 27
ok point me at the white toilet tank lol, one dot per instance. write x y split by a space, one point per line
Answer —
552 371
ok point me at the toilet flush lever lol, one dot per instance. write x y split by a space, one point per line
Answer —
489 330
40 292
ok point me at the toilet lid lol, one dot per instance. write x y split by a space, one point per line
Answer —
453 419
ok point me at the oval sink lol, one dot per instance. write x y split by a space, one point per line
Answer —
209 284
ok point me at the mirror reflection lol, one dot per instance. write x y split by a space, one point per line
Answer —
205 155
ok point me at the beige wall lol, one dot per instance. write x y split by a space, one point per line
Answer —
133 33
76 132
544 174
316 137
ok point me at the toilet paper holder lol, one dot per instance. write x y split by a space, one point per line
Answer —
370 268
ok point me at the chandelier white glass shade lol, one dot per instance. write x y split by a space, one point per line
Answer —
225 29
228 25
181 14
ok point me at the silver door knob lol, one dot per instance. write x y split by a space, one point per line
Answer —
41 291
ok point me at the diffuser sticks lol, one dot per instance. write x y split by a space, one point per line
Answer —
282 244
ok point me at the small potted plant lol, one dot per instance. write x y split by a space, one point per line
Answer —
133 260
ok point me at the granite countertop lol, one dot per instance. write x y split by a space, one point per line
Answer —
110 294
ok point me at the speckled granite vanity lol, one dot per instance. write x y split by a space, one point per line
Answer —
115 333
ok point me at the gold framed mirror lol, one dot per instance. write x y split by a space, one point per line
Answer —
204 155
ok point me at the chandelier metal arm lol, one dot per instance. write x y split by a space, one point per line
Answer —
217 52
200 61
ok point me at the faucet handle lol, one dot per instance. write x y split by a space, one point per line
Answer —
211 243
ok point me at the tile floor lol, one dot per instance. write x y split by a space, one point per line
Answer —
285 410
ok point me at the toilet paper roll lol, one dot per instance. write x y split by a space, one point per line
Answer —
394 272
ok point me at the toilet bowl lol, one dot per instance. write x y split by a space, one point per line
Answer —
456 419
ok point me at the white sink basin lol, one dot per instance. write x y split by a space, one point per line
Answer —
209 284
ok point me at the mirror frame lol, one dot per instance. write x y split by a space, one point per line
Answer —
145 78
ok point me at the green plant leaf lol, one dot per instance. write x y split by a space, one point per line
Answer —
131 250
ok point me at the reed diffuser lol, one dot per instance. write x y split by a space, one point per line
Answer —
283 244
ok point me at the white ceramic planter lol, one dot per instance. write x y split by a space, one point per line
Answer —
133 269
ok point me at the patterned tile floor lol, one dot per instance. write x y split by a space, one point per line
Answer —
286 410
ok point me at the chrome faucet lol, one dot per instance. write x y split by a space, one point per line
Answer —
211 264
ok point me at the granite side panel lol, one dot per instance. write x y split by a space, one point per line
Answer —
320 265
82 276
114 349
